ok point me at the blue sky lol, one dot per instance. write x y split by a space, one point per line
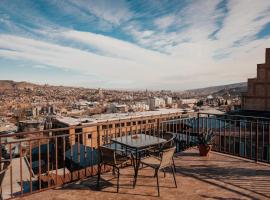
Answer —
168 44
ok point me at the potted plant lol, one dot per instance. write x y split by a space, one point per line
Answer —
205 140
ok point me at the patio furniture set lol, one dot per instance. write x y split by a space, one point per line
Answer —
140 150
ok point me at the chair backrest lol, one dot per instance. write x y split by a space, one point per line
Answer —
107 155
166 158
170 140
6 164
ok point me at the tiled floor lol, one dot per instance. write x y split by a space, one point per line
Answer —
217 177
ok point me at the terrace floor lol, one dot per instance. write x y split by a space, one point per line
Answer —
216 177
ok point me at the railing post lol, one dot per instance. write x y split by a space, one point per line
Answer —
240 135
98 136
257 140
269 142
198 128
158 127
1 153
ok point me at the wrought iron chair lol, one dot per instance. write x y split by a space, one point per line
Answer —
162 163
4 167
110 157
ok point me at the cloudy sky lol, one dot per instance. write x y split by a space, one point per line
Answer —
141 44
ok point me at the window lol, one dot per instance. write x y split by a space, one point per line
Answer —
117 125
122 124
89 136
78 130
128 123
134 123
104 126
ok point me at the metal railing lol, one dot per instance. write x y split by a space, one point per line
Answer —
45 159
243 136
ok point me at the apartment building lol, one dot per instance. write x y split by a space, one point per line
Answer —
98 129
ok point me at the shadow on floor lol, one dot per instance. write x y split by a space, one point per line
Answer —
249 179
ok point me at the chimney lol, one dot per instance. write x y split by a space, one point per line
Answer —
267 55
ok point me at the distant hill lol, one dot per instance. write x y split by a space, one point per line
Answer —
11 85
221 90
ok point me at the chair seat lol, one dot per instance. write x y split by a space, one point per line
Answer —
151 161
120 159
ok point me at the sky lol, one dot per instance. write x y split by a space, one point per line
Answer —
144 44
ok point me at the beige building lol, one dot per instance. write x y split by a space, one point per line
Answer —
257 97
97 130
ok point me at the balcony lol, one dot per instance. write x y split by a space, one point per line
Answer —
61 163
218 177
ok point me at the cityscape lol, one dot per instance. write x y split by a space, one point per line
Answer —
135 99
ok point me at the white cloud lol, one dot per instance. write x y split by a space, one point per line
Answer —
131 64
191 58
111 11
165 21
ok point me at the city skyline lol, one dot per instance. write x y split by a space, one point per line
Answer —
173 45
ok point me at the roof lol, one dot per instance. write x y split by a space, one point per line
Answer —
70 121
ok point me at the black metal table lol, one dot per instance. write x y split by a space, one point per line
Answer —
137 144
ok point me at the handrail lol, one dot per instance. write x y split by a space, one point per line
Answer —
243 116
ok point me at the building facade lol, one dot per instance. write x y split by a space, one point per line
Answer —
257 97
94 132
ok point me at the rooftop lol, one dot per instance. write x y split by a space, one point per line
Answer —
114 116
219 176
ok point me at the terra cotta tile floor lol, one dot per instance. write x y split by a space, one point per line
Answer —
217 177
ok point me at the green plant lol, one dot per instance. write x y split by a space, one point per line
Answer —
206 137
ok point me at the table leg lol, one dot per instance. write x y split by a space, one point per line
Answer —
136 167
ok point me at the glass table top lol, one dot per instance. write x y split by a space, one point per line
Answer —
138 141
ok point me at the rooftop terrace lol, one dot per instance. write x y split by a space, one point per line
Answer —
219 176
55 160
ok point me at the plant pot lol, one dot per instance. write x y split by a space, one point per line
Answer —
204 150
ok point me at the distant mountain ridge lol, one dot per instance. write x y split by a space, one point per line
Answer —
235 88
11 85
214 90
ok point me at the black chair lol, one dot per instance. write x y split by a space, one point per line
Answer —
113 158
4 167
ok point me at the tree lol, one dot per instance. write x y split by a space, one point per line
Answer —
200 103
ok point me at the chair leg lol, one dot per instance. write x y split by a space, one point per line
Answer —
157 182
173 172
113 171
173 164
118 175
99 172
164 173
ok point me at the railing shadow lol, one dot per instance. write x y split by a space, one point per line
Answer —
250 179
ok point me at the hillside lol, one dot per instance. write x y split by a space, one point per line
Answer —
221 90
11 85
